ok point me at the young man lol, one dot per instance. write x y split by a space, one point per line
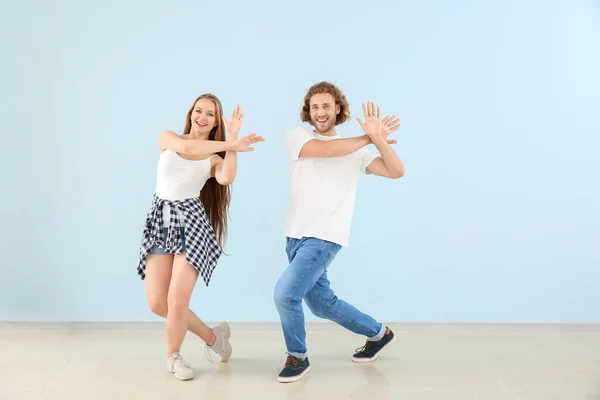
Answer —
325 170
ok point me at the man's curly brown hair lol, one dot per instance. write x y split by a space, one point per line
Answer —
326 87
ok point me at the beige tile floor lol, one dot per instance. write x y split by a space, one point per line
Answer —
423 365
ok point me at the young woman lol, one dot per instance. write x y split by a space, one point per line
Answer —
186 226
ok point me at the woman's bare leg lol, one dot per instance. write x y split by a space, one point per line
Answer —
159 270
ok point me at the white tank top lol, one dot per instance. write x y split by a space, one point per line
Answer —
180 179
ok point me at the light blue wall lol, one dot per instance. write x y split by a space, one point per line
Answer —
497 218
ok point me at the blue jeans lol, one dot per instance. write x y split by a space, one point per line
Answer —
306 278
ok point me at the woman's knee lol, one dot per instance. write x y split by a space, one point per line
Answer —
177 303
158 305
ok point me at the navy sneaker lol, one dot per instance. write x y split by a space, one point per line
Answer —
371 350
294 369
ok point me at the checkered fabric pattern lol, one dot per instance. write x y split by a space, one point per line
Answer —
202 248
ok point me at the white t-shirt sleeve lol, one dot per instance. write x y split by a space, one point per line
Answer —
367 158
295 139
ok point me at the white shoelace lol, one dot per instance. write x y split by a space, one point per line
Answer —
207 350
178 360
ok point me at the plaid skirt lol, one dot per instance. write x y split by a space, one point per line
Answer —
201 245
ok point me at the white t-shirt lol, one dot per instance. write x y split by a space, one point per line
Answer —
323 190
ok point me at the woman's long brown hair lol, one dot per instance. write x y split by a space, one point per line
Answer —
214 196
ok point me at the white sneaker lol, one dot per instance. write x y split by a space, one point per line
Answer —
179 367
222 346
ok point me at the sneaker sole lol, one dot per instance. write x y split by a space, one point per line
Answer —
179 377
171 371
368 360
290 379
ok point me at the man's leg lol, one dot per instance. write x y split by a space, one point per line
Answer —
325 304
308 260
